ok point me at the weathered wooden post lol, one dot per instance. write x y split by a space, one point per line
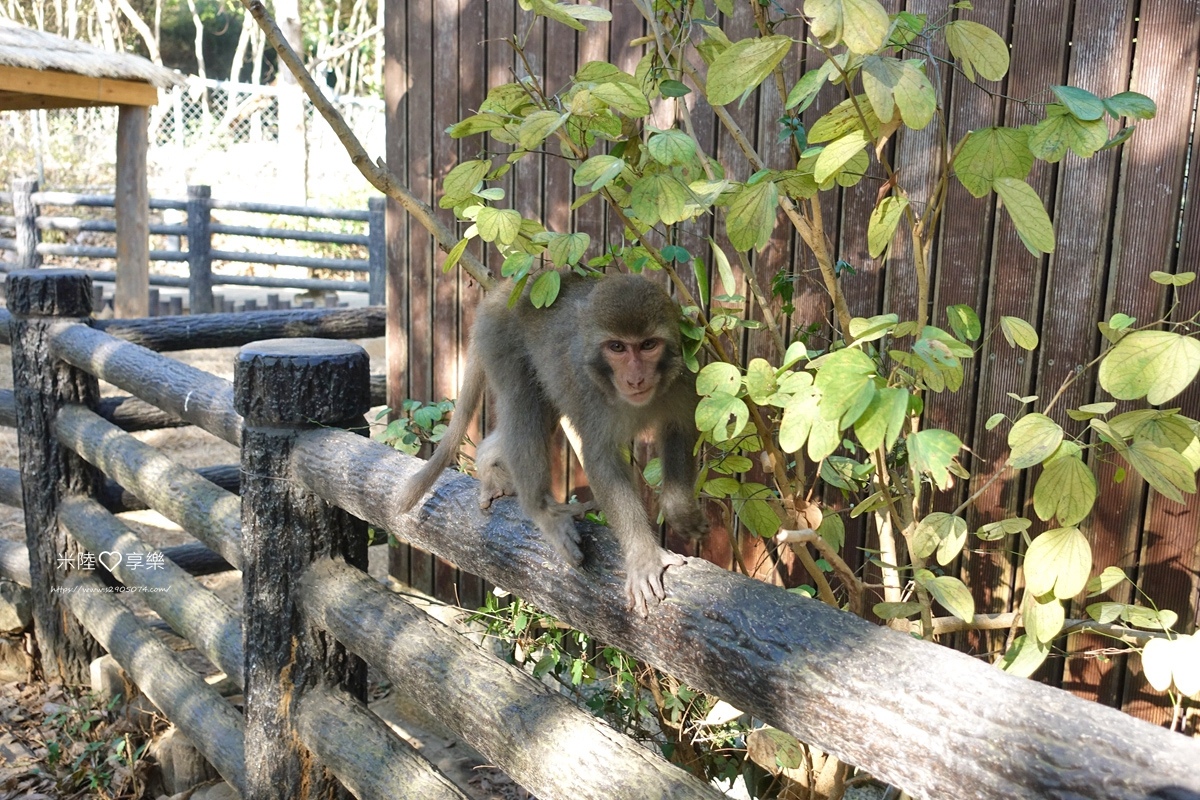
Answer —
282 386
376 251
199 236
39 300
132 207
26 213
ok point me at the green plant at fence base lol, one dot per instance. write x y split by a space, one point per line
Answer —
86 754
849 413
695 730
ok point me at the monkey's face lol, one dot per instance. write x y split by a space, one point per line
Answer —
634 367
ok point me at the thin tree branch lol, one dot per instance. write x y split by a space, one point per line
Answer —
376 174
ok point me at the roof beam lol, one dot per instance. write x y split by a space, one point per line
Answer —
72 86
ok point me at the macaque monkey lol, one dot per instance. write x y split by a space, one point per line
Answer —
607 356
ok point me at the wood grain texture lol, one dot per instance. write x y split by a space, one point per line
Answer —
823 675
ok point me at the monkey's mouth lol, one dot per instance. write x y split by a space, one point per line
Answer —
638 398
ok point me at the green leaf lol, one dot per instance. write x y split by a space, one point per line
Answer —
498 225
807 88
954 596
659 197
843 118
882 225
455 254
751 216
847 385
1110 577
1061 131
1164 469
760 380
868 330
717 411
823 439
566 249
758 517
896 610
964 322
862 25
1066 489
838 153
979 48
1019 333
991 153
931 452
934 531
1080 102
724 271
1131 104
545 289
744 65
719 376
599 171
1142 617
461 181
1024 657
1027 212
1105 612
1059 562
1155 364
673 88
883 420
477 123
537 126
623 97
798 417
833 531
994 420
1167 279
1032 440
671 147
994 531
891 82
1043 620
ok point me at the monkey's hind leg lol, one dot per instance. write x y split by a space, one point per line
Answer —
527 424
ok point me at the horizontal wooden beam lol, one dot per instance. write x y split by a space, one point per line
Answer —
70 85
927 719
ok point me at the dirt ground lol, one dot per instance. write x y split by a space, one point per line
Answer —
38 722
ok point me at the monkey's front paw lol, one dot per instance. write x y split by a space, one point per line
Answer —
644 581
490 494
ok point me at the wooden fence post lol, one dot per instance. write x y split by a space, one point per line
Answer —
27 233
199 236
132 207
376 251
282 386
38 299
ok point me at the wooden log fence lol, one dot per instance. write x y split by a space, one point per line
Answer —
927 719
28 222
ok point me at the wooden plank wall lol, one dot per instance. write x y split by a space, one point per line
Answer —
1119 216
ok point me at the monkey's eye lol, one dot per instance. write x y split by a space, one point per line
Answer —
616 347
650 344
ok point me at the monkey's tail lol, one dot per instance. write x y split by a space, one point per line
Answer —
470 397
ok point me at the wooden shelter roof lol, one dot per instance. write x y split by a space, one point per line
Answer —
41 70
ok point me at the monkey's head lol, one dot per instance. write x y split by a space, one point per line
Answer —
635 348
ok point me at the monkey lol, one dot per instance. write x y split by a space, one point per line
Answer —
607 356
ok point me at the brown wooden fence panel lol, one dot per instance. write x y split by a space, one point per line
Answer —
1118 217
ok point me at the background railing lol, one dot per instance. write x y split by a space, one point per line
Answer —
28 221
